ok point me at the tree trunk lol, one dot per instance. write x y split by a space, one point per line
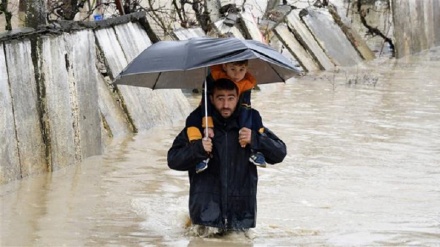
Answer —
119 6
35 13
373 30
200 9
8 15
70 8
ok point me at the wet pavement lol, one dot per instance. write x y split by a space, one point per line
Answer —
363 169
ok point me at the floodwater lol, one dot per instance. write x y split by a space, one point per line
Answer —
363 169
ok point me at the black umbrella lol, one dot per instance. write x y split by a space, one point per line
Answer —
184 63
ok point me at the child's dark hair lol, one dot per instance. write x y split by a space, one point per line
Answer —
224 84
238 63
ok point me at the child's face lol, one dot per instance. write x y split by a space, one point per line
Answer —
235 72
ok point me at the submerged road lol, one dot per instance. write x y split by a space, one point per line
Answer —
362 169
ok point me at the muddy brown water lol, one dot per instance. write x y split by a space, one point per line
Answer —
363 168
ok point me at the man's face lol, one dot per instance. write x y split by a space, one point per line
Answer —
235 72
225 101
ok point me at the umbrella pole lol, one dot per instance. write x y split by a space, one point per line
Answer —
206 109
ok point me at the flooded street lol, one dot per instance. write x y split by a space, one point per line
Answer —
363 168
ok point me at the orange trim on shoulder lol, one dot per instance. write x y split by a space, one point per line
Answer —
193 134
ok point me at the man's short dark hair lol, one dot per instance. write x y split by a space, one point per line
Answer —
224 84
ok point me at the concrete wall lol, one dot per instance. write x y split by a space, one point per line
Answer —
57 104
416 25
22 144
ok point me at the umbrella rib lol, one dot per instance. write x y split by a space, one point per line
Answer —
280 63
157 79
279 75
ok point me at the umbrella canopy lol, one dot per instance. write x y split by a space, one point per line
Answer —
184 63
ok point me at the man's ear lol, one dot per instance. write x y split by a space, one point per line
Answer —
224 66
211 98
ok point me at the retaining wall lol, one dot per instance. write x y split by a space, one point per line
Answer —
57 106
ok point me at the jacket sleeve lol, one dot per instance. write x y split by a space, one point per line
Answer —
183 155
272 147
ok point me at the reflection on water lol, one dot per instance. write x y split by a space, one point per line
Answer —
362 169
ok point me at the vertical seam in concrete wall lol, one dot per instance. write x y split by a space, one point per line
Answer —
105 125
40 98
242 28
120 96
99 60
121 44
303 43
41 107
114 89
13 114
147 27
73 94
125 109
317 42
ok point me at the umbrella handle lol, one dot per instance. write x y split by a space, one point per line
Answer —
206 110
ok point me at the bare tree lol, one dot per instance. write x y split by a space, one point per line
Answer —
65 9
187 13
8 15
373 31
69 8
35 12
200 9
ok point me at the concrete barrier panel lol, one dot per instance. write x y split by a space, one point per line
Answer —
358 43
419 30
295 48
82 56
146 108
251 26
60 122
436 19
187 33
114 56
417 20
308 40
134 38
430 25
25 102
116 60
224 29
115 122
9 163
331 38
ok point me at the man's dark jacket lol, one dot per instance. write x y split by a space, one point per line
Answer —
225 194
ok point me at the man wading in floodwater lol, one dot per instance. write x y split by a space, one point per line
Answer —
224 196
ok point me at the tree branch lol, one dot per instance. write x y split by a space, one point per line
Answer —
372 30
